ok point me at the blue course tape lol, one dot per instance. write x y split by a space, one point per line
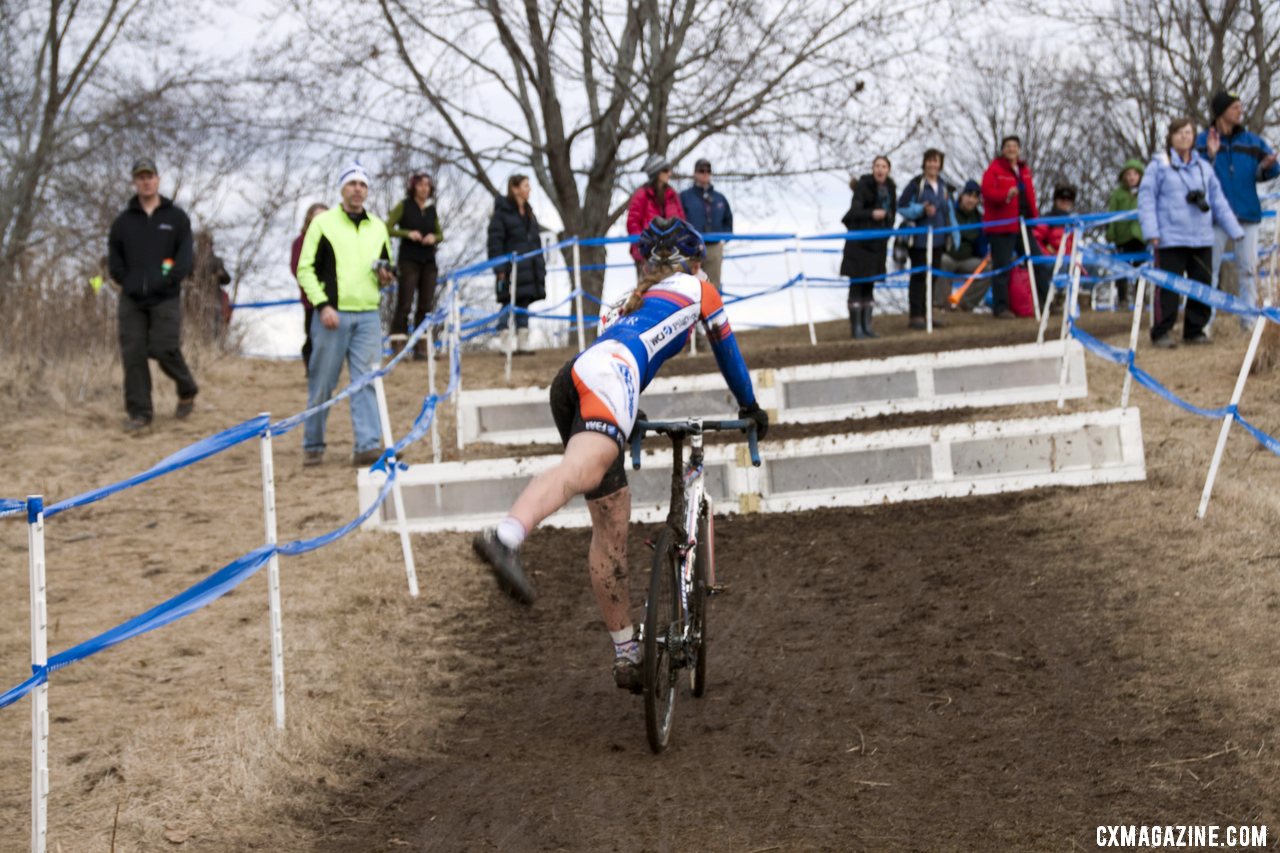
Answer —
10 506
239 306
189 455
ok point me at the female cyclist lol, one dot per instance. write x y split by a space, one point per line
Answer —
594 400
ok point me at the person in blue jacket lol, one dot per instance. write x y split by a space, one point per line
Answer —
708 211
928 200
1179 201
1241 160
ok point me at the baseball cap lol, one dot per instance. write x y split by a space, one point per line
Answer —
144 164
703 163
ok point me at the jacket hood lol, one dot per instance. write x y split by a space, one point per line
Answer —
1131 163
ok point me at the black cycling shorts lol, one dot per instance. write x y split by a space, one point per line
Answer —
566 408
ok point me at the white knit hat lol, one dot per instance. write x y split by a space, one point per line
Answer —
353 172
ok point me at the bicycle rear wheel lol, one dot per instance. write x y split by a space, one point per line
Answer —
663 640
703 572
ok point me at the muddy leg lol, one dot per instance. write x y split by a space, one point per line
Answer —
607 558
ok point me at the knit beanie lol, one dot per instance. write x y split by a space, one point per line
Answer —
971 186
654 164
1221 102
353 172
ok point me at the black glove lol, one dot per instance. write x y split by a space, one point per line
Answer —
759 415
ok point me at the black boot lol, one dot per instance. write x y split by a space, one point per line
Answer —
855 320
867 308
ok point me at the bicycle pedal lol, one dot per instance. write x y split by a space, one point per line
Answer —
718 589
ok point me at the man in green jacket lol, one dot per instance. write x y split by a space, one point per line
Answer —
346 255
1126 235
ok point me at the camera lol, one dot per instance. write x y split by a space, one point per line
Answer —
1197 198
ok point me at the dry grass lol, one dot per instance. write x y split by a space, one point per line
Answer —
174 728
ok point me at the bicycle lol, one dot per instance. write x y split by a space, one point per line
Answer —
674 631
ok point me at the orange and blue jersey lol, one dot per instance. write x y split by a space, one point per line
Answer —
661 326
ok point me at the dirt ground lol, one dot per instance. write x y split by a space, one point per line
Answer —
981 674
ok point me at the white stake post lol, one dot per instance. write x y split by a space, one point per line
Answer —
455 356
928 282
804 281
1057 265
273 574
1258 327
1031 268
511 318
786 260
431 389
1134 332
577 283
397 496
1070 307
39 658
1068 310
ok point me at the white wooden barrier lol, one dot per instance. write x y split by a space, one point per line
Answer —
826 471
812 393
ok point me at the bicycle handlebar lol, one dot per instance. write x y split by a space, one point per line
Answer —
687 427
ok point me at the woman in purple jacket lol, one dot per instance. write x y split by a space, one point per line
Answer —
1179 200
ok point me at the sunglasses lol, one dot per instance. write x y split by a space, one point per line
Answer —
702 171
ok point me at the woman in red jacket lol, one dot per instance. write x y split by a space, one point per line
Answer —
654 199
1007 193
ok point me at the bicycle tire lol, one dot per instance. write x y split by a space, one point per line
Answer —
662 623
703 572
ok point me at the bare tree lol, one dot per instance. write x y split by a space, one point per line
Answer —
579 92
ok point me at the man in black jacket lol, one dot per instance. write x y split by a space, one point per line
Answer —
149 254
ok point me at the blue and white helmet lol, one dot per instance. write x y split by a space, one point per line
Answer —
668 241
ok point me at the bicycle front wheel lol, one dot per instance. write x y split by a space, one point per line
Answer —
663 643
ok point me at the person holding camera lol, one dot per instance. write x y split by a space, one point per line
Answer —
1179 201
345 258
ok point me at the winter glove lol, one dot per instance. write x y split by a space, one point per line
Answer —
759 415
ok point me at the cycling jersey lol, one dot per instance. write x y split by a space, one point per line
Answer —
661 326
607 378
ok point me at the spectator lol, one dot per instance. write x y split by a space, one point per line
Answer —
1179 202
874 207
346 256
965 253
926 201
312 212
514 230
708 212
149 254
416 221
654 199
1240 160
1007 194
1048 238
1126 235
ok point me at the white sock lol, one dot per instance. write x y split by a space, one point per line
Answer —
624 636
511 532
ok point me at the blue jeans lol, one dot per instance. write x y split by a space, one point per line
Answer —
358 339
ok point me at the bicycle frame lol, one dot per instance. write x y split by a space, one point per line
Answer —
688 484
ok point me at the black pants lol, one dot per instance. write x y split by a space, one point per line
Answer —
307 311
1003 249
1195 264
151 331
417 278
1132 247
864 263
